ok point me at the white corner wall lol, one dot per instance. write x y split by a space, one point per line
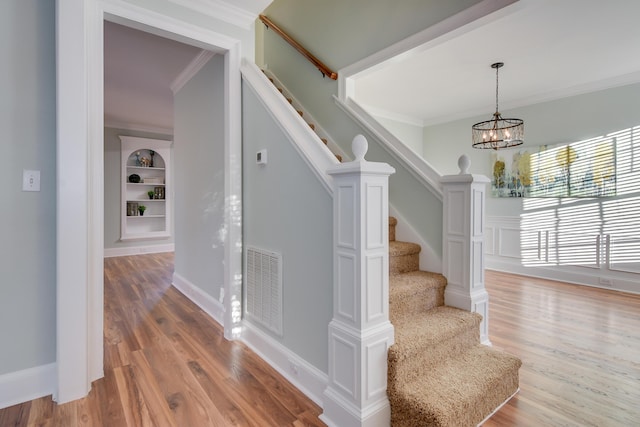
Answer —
199 197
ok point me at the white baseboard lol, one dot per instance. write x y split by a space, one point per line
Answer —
23 386
305 377
138 250
206 302
568 274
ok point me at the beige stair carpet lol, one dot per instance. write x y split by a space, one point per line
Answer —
438 372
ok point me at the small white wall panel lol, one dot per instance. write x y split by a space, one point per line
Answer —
376 381
375 288
346 216
456 213
509 242
346 304
346 355
477 267
454 259
374 217
478 212
489 241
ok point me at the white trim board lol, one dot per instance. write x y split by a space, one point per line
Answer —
307 378
206 302
138 250
80 194
28 384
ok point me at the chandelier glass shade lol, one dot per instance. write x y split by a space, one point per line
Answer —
497 132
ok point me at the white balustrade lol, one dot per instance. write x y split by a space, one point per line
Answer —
360 332
463 243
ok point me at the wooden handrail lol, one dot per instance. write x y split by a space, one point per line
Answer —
326 71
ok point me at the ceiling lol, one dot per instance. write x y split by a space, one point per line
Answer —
551 49
139 69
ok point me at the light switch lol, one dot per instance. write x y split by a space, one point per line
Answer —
30 180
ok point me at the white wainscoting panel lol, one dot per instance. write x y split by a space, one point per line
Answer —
535 252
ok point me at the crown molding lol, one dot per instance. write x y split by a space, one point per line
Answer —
137 127
222 10
190 70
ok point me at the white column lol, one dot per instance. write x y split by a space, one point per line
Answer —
463 243
360 332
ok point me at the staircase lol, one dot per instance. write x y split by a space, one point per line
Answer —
438 372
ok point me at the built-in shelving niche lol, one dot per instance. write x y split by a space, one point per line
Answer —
146 167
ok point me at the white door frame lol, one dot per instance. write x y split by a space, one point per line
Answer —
80 176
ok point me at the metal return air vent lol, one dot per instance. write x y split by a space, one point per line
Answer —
264 298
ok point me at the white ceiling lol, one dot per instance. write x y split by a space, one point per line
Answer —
138 70
551 49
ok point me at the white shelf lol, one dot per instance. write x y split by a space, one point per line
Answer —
156 222
145 168
145 183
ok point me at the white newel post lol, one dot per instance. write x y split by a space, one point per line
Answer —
463 243
360 332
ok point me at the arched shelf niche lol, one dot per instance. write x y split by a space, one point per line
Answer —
146 188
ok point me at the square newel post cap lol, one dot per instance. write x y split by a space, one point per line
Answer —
464 176
360 146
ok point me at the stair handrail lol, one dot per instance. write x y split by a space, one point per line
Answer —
326 71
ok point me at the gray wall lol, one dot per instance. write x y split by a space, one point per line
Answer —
287 210
409 134
28 242
112 188
341 33
199 178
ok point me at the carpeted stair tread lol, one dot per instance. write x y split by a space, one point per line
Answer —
433 325
423 340
415 291
403 257
392 228
397 248
461 391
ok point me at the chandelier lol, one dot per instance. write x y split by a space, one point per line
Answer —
497 132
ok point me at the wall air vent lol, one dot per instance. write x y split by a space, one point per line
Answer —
264 298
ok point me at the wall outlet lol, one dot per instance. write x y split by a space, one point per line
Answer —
606 282
221 295
293 367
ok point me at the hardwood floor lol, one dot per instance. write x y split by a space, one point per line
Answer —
167 363
580 349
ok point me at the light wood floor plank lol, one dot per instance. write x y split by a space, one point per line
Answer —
168 364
